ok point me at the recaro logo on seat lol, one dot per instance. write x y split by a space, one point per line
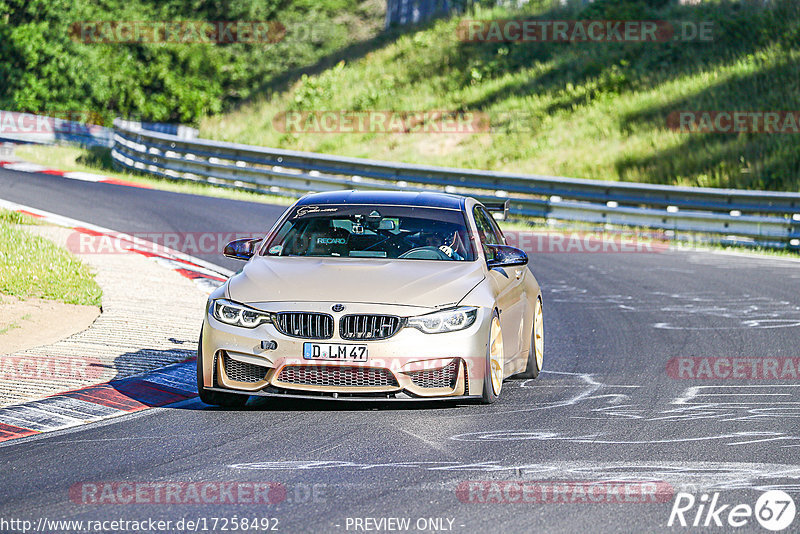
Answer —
331 241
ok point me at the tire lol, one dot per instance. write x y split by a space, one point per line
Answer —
215 398
493 372
536 351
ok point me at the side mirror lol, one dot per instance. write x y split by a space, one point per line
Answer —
504 256
241 249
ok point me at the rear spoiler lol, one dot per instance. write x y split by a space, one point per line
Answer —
499 210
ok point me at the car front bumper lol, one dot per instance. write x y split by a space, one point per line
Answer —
410 364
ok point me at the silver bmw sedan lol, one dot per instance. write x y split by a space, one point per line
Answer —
359 295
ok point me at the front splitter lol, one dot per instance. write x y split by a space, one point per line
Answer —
348 398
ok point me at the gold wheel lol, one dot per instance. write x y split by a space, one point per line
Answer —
496 356
538 335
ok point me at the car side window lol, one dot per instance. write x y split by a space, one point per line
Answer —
501 239
488 232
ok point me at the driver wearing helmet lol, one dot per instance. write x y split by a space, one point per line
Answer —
443 241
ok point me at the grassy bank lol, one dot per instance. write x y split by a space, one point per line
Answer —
32 266
589 110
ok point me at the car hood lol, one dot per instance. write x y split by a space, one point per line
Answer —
425 283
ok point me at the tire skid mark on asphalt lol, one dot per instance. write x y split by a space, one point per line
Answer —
690 476
587 387
174 383
739 438
432 444
740 311
723 403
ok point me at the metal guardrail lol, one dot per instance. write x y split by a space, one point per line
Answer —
767 216
25 128
183 132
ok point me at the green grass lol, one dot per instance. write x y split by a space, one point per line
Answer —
98 161
580 110
15 217
32 266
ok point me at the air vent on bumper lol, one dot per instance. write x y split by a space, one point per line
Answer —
337 376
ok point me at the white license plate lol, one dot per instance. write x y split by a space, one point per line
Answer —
334 351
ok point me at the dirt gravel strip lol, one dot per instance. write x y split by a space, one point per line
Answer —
151 318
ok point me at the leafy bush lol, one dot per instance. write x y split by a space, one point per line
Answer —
45 70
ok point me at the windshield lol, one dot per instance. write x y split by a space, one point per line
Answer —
370 231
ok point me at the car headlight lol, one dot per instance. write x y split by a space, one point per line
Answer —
444 321
236 314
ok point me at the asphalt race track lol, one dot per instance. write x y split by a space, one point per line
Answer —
624 333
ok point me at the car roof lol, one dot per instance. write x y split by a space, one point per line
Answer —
403 198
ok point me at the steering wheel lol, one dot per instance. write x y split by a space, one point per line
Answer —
425 253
